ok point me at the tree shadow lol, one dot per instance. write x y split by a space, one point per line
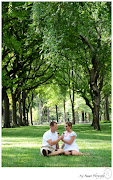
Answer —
30 157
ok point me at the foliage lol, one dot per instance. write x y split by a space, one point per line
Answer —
105 121
64 45
83 39
23 64
88 19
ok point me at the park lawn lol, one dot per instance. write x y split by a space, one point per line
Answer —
21 147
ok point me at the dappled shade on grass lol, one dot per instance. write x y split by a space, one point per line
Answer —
21 147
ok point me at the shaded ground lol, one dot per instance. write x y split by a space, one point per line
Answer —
21 147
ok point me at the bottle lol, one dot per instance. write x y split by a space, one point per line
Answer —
58 134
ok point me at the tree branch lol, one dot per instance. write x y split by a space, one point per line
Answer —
85 39
86 99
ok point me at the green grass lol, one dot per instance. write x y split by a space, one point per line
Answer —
21 147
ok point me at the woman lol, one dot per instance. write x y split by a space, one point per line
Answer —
69 145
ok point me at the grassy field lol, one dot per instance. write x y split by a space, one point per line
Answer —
21 147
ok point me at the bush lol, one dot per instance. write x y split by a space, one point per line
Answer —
105 121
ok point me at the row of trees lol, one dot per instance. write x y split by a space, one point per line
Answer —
50 105
23 67
46 103
63 43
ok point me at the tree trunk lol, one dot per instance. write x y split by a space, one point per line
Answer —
77 116
85 116
47 114
72 105
68 116
100 118
73 98
82 116
96 104
30 115
64 117
72 89
30 110
96 88
39 109
106 109
96 82
88 117
56 112
23 102
27 121
14 109
73 113
6 110
20 112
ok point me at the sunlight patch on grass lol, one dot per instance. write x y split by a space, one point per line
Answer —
21 147
21 142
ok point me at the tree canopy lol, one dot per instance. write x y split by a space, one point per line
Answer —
67 44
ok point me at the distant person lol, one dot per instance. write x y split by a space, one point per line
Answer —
69 145
51 138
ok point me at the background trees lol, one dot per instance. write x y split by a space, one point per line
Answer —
24 68
66 44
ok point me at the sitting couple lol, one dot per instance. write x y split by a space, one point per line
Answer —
51 138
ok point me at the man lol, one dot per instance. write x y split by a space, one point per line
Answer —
50 145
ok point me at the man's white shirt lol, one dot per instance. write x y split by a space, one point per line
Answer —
49 135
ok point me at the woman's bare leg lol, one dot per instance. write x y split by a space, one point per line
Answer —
59 151
67 153
75 153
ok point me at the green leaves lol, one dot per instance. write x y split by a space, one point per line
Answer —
62 24
30 66
53 40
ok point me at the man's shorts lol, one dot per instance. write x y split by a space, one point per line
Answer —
50 149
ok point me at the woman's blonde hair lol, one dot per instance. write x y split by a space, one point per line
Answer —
69 124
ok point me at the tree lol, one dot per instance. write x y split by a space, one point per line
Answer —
14 29
6 110
67 43
84 30
24 67
106 95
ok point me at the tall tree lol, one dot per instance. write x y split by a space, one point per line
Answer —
84 32
24 66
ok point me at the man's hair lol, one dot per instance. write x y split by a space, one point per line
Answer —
69 124
52 123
